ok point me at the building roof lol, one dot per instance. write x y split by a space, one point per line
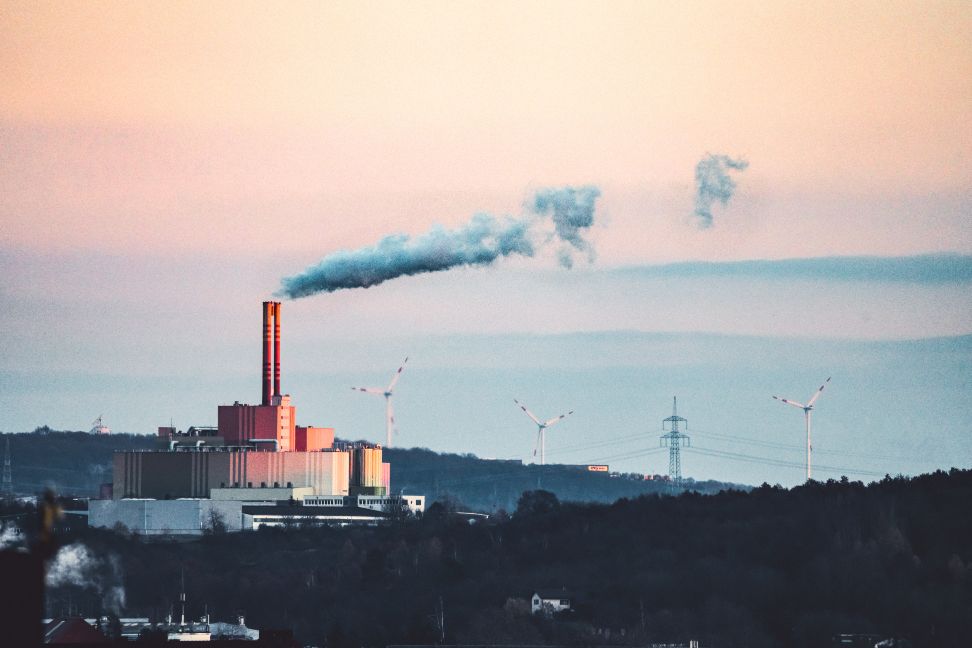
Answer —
314 511
553 594
71 630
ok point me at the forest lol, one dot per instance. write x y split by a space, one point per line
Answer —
768 567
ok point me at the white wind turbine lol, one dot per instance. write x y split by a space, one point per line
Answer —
541 427
388 392
807 409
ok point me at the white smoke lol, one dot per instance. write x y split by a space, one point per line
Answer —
10 536
76 565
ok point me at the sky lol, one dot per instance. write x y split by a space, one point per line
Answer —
164 165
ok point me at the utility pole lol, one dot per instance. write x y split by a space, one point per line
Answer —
440 621
7 473
674 439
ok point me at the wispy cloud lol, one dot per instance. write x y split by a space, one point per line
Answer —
714 184
920 269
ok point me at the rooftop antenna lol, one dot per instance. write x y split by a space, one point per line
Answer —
674 439
182 599
98 426
541 427
807 409
388 392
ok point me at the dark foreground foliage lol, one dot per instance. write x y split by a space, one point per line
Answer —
771 567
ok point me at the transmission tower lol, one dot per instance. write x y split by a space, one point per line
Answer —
674 439
7 474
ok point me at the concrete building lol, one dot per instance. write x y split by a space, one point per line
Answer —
194 473
166 517
415 503
548 602
262 495
255 517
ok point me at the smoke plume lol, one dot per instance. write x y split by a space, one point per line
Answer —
76 565
572 210
712 183
478 243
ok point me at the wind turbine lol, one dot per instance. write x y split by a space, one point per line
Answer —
807 409
388 392
541 427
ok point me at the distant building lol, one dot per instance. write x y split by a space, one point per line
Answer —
548 602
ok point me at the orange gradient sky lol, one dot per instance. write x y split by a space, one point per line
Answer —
307 127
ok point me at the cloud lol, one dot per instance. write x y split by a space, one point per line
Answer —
919 269
713 183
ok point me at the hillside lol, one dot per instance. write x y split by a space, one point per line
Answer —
76 463
489 485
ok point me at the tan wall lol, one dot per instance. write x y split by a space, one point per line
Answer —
162 475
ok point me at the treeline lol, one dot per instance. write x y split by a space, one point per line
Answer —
491 486
72 463
76 463
771 567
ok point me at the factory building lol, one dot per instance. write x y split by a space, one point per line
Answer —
256 456
168 474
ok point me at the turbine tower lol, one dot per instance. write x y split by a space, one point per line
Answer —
388 392
541 427
807 410
674 439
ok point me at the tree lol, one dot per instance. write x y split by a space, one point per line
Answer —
215 523
396 508
537 502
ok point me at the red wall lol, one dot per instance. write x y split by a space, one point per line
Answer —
312 439
238 423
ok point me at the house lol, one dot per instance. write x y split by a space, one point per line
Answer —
547 602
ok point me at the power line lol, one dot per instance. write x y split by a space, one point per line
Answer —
795 448
779 462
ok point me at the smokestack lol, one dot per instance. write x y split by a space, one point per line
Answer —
267 350
276 348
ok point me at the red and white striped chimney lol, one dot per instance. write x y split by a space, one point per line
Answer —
267 351
276 349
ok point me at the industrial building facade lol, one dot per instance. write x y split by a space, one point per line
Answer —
257 455
194 473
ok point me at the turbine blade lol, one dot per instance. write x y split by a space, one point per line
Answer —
819 391
528 412
789 402
557 419
537 446
369 390
391 417
398 374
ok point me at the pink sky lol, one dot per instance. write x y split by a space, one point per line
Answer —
230 127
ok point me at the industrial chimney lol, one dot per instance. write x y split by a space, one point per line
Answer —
271 351
276 349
